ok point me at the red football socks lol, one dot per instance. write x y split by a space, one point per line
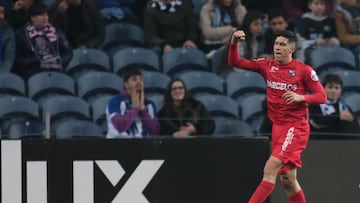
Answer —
298 197
263 190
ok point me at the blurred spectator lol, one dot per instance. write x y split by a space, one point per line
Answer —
7 40
277 23
347 20
182 115
218 20
261 6
254 43
81 21
169 24
117 11
39 45
335 116
130 114
317 29
18 16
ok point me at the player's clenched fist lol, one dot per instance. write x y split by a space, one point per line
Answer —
238 36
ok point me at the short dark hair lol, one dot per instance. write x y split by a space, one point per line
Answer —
38 8
275 12
332 79
130 72
288 35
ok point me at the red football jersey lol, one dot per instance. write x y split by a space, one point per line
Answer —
294 76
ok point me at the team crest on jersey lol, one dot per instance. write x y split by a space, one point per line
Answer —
292 73
314 76
274 69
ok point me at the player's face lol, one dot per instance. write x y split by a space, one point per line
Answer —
317 7
333 91
177 91
283 50
278 24
134 83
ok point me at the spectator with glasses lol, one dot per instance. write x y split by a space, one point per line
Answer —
182 115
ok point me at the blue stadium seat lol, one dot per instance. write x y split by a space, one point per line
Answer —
78 129
219 105
15 108
155 82
252 110
351 81
98 111
183 59
97 84
203 82
241 84
232 127
11 84
158 100
121 35
135 57
64 107
26 128
87 59
46 84
332 58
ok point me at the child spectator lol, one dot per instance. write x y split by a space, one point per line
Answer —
317 29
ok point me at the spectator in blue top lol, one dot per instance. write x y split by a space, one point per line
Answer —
130 114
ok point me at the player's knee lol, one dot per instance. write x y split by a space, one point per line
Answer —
288 182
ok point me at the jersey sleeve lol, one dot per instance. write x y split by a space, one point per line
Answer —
236 61
313 84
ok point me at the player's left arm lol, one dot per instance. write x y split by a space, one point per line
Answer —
312 83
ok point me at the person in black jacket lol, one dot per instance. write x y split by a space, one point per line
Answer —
39 45
335 116
182 115
81 21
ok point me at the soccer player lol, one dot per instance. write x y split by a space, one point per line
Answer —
287 81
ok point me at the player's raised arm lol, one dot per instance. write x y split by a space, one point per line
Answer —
234 58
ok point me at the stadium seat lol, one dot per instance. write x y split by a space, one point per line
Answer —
121 35
219 105
252 110
158 100
26 128
63 107
87 59
46 84
15 108
155 82
353 101
78 129
351 81
203 82
11 84
331 59
135 57
241 84
198 4
232 127
97 84
98 111
183 59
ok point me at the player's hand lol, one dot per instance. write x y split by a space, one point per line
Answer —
346 115
137 99
291 97
237 36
